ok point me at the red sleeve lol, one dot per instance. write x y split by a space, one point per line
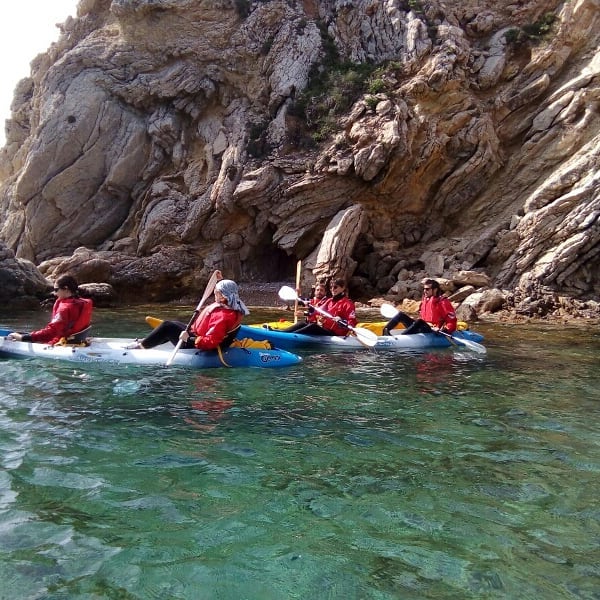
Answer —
450 320
58 326
345 310
350 311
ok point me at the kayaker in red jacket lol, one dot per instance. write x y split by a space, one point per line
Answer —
436 311
310 316
215 326
340 307
70 315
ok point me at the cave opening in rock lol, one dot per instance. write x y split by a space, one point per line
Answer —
270 263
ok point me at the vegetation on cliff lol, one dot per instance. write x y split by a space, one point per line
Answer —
383 141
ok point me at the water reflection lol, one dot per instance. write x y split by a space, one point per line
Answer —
435 371
212 406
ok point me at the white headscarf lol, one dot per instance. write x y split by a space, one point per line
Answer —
229 289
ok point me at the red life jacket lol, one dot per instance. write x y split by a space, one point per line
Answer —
85 315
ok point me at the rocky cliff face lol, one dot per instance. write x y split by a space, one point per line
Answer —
166 138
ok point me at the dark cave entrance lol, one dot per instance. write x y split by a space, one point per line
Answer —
269 263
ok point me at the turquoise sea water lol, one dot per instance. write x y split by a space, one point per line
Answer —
355 475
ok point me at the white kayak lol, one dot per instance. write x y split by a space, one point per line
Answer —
113 351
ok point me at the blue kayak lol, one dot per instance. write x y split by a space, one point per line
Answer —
417 341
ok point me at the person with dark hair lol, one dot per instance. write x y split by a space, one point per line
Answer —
311 315
341 309
71 315
436 312
216 326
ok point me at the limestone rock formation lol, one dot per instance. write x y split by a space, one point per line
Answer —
20 282
167 138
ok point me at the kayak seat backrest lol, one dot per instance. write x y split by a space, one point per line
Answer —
229 338
79 337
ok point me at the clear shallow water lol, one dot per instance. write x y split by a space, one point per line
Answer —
355 475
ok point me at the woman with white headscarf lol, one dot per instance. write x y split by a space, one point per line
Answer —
216 326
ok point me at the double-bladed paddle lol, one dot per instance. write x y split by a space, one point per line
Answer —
365 336
210 287
389 311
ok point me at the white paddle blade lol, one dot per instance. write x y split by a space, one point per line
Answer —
464 343
388 311
287 293
210 288
471 345
365 336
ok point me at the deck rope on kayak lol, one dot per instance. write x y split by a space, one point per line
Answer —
244 343
220 354
250 343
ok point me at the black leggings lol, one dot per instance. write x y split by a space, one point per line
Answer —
295 327
311 329
412 325
167 331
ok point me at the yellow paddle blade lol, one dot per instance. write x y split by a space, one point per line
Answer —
153 321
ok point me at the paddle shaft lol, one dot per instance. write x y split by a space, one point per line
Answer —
210 286
298 274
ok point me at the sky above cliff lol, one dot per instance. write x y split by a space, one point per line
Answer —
28 28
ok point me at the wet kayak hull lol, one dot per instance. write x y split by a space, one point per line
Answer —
398 341
112 351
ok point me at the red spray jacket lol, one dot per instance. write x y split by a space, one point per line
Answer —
213 325
438 311
69 315
338 307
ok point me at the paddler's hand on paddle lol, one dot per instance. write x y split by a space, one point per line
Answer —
437 329
343 323
184 336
